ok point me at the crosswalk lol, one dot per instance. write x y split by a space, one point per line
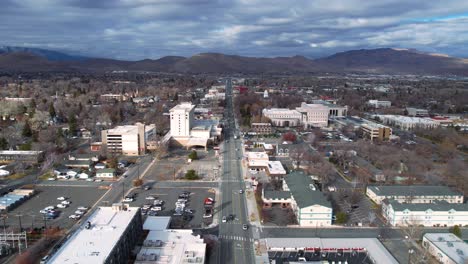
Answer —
236 238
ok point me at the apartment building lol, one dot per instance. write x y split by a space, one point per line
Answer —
128 140
437 213
413 194
27 156
446 248
309 204
407 122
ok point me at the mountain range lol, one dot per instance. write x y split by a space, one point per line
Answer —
375 61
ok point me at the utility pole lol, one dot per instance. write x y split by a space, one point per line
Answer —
19 215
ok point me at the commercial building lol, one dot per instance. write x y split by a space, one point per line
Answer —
128 140
275 169
413 194
446 248
283 117
110 98
314 115
163 245
373 131
108 236
406 122
379 104
261 128
437 213
417 112
105 173
257 160
188 132
318 250
27 156
308 203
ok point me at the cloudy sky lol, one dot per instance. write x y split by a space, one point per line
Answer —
138 29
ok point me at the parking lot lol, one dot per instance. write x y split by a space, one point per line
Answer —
170 196
29 213
360 214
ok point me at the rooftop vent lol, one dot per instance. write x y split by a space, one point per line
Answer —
460 252
449 244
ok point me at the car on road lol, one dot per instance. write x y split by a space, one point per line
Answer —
74 216
61 198
224 220
245 227
62 205
90 179
207 215
98 180
66 202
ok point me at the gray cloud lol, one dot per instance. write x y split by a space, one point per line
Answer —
137 29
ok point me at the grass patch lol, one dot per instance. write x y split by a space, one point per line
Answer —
46 176
16 176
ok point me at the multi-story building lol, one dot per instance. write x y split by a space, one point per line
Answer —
112 98
379 104
334 110
261 128
188 132
107 236
128 140
407 123
446 248
283 117
417 112
182 119
308 203
373 131
314 115
437 213
413 194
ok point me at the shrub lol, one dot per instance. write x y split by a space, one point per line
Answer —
191 175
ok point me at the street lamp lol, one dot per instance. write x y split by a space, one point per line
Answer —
410 252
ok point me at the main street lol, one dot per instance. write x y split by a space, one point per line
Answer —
235 243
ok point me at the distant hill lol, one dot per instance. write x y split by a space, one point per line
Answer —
377 61
48 54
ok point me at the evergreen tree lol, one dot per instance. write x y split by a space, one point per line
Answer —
52 112
27 132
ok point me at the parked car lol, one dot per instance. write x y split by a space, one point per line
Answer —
207 215
83 208
150 197
188 211
79 212
147 187
66 202
74 216
245 227
157 208
61 198
62 205
224 220
241 191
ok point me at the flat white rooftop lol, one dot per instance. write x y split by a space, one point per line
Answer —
257 156
95 244
275 167
183 106
374 248
128 129
20 152
451 245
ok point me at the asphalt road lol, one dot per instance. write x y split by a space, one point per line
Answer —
235 243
